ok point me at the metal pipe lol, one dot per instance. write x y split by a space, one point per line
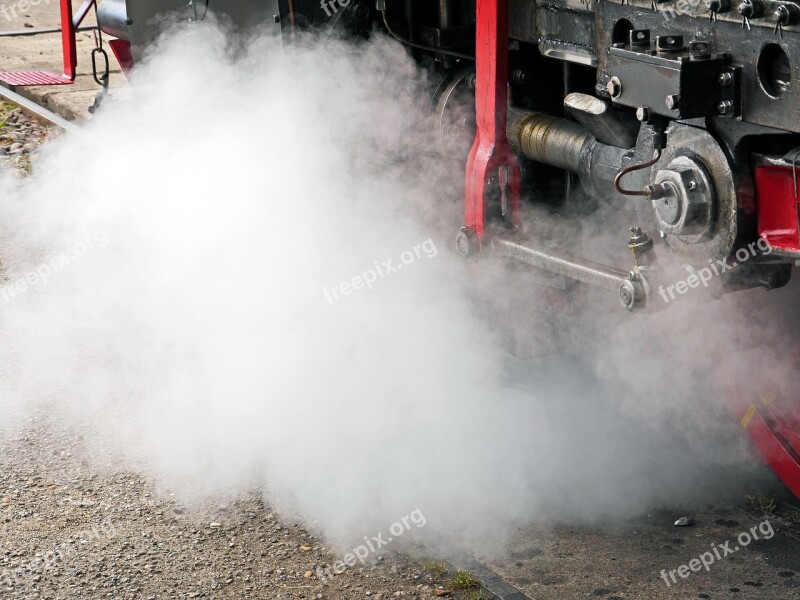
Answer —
603 276
27 32
598 117
446 14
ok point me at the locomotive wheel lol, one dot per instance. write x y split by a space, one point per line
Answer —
454 116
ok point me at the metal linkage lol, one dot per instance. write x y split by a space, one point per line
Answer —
630 285
493 172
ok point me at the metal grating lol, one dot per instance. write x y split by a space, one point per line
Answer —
24 78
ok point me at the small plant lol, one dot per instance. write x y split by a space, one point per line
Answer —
476 594
463 580
437 567
766 502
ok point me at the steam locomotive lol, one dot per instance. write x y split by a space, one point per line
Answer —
686 110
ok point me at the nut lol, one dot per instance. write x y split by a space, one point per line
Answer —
672 101
614 87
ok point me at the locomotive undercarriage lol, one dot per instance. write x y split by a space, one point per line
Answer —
683 110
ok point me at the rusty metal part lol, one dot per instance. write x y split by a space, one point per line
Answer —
550 140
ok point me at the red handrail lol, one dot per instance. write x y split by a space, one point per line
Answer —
68 40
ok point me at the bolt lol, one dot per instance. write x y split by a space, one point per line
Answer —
700 49
654 191
672 101
640 38
467 242
750 8
669 43
625 296
725 107
718 6
520 76
643 114
725 79
614 87
692 185
361 11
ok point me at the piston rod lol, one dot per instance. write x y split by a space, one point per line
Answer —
628 284
603 276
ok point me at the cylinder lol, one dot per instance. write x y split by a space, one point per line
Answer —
112 18
550 140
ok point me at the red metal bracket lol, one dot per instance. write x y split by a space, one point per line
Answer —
778 207
68 43
491 161
773 424
122 51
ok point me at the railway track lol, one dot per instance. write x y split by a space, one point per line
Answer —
34 109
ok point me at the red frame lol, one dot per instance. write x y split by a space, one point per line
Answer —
69 26
491 154
778 207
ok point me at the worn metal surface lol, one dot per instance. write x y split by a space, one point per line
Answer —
40 112
603 276
547 139
147 18
718 240
597 116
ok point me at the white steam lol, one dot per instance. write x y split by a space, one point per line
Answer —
196 339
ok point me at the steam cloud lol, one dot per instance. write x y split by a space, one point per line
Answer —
197 342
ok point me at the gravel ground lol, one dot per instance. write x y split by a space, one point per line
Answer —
70 531
20 136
